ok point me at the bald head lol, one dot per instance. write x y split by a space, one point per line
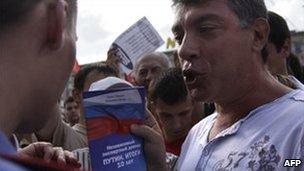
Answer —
149 66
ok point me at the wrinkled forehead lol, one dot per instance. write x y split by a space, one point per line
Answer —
205 10
71 104
151 62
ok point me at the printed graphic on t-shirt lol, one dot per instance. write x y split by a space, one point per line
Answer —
261 156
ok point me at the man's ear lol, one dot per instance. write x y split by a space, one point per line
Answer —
286 48
56 24
260 29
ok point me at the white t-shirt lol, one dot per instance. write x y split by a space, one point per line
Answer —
297 83
261 141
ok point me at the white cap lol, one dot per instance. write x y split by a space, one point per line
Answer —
109 83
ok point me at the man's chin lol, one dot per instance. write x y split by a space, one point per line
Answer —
195 94
198 95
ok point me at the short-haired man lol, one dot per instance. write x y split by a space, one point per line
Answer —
278 48
173 107
279 44
259 122
37 41
82 81
72 111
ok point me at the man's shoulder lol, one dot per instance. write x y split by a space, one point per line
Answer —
204 124
299 95
68 138
294 104
289 107
293 101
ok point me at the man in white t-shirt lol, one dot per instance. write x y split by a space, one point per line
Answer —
259 121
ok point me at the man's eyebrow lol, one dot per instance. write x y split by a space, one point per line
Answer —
208 17
164 113
177 27
184 112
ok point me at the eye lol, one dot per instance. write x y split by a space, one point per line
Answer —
156 69
167 116
206 29
143 72
185 113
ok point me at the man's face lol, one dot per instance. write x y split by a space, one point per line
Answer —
276 60
214 50
273 59
175 119
72 112
148 69
49 73
91 78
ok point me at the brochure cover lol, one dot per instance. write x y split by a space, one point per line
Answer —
138 40
109 115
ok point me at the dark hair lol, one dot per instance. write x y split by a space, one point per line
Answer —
279 30
246 10
81 75
169 87
294 67
69 100
14 11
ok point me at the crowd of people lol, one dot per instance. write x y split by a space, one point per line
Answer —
235 100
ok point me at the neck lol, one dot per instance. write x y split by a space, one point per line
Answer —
283 71
279 69
261 91
10 107
13 100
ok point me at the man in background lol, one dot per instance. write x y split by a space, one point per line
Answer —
149 67
72 112
279 47
173 108
82 81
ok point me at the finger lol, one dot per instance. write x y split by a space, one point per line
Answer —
151 122
147 133
59 155
40 148
48 153
71 159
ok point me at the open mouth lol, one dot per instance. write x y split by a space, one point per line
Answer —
190 76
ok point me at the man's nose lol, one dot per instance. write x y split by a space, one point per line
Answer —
74 109
149 76
188 49
177 124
